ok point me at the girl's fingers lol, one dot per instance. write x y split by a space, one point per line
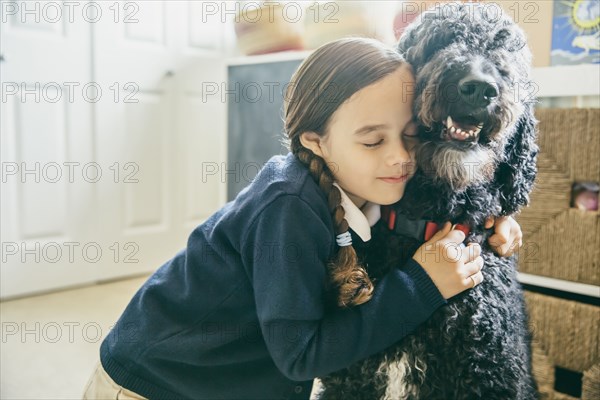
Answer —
474 266
441 233
473 280
455 236
514 246
501 232
489 222
471 252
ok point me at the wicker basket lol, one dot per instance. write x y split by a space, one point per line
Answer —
565 334
559 241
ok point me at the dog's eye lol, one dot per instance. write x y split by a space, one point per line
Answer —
499 40
504 73
507 40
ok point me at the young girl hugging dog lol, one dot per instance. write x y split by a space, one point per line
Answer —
245 311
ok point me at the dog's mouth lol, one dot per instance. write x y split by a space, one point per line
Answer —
462 129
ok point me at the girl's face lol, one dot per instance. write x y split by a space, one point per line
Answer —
368 141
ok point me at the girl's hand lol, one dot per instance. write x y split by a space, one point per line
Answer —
507 237
451 266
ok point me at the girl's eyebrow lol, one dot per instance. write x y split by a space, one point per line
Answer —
370 128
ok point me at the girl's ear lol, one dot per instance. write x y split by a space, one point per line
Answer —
312 141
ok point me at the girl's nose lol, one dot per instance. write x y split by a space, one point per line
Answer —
398 154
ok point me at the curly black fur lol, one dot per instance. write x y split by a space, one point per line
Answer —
477 346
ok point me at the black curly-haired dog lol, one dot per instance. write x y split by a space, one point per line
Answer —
477 158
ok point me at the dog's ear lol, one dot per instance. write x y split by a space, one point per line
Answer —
417 43
515 176
408 40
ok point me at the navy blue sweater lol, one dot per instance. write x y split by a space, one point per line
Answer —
240 312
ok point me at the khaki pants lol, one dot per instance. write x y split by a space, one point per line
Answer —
102 387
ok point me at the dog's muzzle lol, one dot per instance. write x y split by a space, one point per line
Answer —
463 129
467 113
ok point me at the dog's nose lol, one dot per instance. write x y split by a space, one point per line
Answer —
478 92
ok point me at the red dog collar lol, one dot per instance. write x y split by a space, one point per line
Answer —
431 228
421 230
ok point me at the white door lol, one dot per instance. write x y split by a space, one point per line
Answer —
46 139
132 146
156 130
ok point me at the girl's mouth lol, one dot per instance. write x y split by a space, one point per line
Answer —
395 179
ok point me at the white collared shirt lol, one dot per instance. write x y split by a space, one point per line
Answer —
360 219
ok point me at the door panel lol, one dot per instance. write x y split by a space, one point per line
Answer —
119 155
46 138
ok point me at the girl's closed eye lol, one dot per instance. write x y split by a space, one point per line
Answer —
371 145
409 135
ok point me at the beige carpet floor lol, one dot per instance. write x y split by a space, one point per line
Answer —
50 342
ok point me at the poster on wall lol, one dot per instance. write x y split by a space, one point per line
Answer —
576 32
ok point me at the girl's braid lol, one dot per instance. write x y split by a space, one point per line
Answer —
348 277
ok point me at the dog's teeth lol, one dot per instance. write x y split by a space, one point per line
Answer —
459 131
449 121
471 133
452 129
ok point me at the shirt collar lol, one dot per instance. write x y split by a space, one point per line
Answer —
360 219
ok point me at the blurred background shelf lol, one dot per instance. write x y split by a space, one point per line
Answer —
567 80
559 284
556 81
269 58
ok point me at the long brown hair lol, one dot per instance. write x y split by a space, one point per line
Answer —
322 83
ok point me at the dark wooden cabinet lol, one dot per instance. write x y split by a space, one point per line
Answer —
255 118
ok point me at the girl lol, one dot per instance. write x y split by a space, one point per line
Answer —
243 311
